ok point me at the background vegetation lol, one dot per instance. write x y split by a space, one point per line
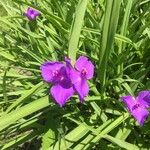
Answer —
114 34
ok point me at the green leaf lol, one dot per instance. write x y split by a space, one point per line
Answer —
19 140
12 117
71 137
121 143
124 32
26 95
90 136
109 29
76 29
7 55
50 131
110 127
99 111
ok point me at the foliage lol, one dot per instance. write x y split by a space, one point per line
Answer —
113 34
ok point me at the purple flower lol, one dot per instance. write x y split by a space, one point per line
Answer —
56 73
32 13
138 106
84 70
67 80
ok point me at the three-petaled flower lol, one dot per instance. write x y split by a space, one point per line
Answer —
84 70
138 106
67 79
31 13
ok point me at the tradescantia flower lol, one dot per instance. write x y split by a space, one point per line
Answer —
66 79
138 106
32 13
82 71
55 73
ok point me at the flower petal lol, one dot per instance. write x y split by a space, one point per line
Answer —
81 88
74 76
140 114
129 101
144 98
64 80
48 68
68 63
83 63
60 94
32 13
36 13
79 83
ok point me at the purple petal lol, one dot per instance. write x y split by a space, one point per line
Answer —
68 65
67 60
140 114
143 98
83 64
136 108
64 79
80 84
36 13
48 69
82 89
129 101
60 94
74 76
81 61
32 13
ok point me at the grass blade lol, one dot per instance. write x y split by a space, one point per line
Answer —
26 110
123 33
121 143
76 29
109 29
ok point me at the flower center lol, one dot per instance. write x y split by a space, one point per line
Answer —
55 73
61 78
58 76
32 12
84 71
136 106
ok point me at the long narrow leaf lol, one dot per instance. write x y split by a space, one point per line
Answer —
109 29
76 29
26 110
